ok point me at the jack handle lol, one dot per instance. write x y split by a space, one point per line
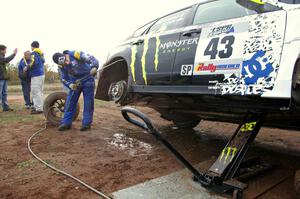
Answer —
148 126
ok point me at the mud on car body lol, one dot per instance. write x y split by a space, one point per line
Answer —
215 60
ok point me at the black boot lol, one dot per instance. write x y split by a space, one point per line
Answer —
85 128
64 127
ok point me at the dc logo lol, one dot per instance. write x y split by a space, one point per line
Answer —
253 69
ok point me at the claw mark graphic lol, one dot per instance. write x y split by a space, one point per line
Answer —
133 59
229 151
156 60
146 46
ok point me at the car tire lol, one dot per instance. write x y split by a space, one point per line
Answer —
117 91
297 184
190 124
296 85
54 106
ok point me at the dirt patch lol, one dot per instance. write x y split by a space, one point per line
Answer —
114 155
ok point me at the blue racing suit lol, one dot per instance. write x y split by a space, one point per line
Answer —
79 71
25 80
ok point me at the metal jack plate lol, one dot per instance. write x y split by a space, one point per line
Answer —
225 174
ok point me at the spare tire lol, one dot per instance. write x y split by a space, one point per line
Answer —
297 184
54 106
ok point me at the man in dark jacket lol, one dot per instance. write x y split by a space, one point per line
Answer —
24 76
4 61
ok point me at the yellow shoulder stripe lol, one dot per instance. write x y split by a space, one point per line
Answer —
32 60
77 55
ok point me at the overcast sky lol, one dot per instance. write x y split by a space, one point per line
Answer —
93 26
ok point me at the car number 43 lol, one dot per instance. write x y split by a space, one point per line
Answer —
213 51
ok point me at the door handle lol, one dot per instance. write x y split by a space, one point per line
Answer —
191 32
138 42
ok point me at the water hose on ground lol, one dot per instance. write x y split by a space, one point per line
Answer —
59 170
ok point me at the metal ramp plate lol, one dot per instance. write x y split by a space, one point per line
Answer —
177 185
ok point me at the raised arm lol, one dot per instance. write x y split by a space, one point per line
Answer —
6 60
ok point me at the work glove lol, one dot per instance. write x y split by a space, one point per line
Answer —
73 87
93 72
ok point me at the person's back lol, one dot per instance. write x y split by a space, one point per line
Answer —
37 65
37 74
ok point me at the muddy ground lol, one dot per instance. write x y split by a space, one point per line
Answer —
115 155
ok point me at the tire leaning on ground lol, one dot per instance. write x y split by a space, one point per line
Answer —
54 106
297 184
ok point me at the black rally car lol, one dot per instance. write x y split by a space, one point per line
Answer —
215 60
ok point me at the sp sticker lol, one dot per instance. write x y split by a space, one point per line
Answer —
187 70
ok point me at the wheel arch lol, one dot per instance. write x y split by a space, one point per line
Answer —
109 75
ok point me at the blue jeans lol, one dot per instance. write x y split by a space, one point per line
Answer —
3 94
26 91
87 88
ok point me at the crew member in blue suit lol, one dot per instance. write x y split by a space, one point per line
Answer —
36 69
25 77
77 71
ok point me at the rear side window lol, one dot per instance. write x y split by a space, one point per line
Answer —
142 30
170 22
218 11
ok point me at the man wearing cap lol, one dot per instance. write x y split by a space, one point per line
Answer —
4 61
25 77
36 70
77 73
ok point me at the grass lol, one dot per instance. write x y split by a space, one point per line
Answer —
21 115
48 87
26 164
31 163
17 115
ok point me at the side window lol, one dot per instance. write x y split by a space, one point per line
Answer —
143 29
218 11
170 22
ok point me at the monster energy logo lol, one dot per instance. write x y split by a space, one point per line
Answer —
171 46
178 43
228 152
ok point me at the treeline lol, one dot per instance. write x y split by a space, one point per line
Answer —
50 75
